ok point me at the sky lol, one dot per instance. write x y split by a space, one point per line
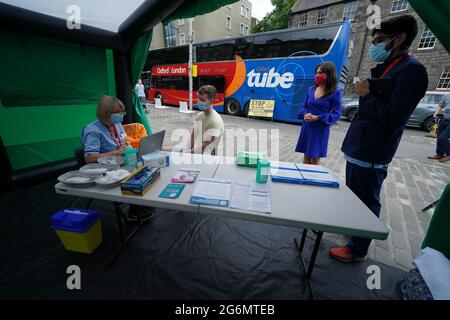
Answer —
260 8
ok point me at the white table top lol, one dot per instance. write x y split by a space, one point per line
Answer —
335 210
206 164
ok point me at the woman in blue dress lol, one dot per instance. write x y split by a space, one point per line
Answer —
322 108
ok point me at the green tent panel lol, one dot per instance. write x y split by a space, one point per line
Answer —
52 78
50 92
436 15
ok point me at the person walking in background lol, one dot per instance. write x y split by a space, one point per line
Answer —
374 134
443 143
322 108
140 92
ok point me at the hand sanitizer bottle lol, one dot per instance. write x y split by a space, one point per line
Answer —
262 171
131 157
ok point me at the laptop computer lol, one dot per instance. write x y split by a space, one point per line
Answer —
151 143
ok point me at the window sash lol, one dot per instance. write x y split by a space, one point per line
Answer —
350 10
444 80
427 39
399 5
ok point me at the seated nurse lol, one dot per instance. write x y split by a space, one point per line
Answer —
322 108
106 135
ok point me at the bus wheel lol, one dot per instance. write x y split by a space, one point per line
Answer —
232 107
246 107
159 96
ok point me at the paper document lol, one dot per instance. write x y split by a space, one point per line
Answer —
214 192
318 176
311 167
251 196
185 175
288 174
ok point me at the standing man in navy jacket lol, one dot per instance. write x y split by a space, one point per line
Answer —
384 109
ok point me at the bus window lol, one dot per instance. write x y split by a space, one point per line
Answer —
173 83
217 81
170 55
215 51
313 41
268 46
307 42
242 47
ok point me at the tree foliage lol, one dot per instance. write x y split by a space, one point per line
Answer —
277 19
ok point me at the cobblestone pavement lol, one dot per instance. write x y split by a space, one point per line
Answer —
411 184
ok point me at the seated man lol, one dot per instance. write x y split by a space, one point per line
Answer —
208 125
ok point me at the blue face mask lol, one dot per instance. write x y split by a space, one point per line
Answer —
201 105
378 52
116 118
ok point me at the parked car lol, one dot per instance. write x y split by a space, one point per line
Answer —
422 115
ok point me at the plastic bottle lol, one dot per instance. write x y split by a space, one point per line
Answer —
262 171
131 157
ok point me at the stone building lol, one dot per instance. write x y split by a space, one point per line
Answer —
228 21
425 47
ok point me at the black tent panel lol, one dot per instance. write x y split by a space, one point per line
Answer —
30 22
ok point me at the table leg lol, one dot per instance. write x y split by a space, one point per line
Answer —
118 213
309 269
123 239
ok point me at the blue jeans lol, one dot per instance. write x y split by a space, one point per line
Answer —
443 144
366 184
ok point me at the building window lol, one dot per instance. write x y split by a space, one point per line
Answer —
427 40
246 30
170 35
181 22
444 80
303 20
242 29
321 15
247 13
350 10
193 35
228 23
182 39
399 5
242 10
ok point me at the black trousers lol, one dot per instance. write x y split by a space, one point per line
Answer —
366 184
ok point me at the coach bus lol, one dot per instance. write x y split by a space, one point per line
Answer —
278 65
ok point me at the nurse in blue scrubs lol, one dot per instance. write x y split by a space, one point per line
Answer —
106 135
322 108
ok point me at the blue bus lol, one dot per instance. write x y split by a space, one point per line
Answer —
278 65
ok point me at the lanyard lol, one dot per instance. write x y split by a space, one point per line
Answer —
116 137
393 64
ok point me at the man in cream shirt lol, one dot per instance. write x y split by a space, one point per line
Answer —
208 125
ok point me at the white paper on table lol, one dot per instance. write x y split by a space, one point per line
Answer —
241 195
282 165
285 173
251 196
318 176
211 188
311 167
